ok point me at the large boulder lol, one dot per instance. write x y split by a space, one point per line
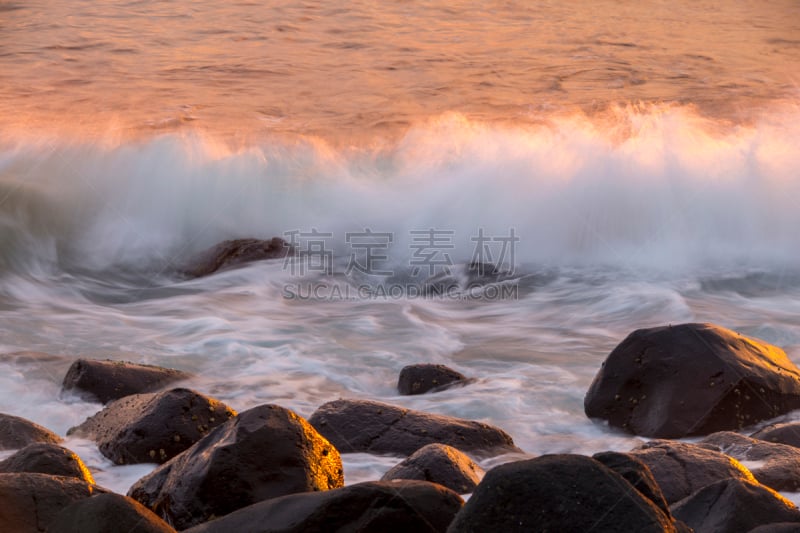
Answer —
153 428
439 463
733 506
107 512
46 458
681 469
783 433
109 380
775 465
372 507
263 453
374 427
565 493
28 501
422 378
637 474
235 253
16 432
692 379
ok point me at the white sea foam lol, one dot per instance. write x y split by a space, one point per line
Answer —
659 188
657 217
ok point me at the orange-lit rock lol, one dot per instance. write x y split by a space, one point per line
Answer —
692 379
46 458
440 464
263 453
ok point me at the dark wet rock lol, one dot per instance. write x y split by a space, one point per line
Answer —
107 512
16 432
564 493
481 272
235 253
419 379
784 433
110 380
637 474
692 379
681 469
46 458
775 465
28 501
733 506
472 280
374 427
439 463
374 507
153 428
263 453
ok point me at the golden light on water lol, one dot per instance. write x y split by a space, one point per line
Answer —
375 69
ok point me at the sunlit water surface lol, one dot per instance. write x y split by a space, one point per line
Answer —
645 155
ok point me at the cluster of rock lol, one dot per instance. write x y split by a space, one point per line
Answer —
265 469
269 470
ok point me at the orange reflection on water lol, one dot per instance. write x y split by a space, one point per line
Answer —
375 68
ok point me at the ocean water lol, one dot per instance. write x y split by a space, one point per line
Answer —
624 165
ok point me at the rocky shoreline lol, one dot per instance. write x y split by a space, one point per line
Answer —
267 469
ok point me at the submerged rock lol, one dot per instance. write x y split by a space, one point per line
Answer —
235 253
439 463
680 469
422 378
46 458
692 379
107 512
374 427
263 453
775 465
110 380
16 432
153 428
558 493
29 502
373 507
733 506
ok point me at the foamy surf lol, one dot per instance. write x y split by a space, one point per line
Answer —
654 187
650 216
